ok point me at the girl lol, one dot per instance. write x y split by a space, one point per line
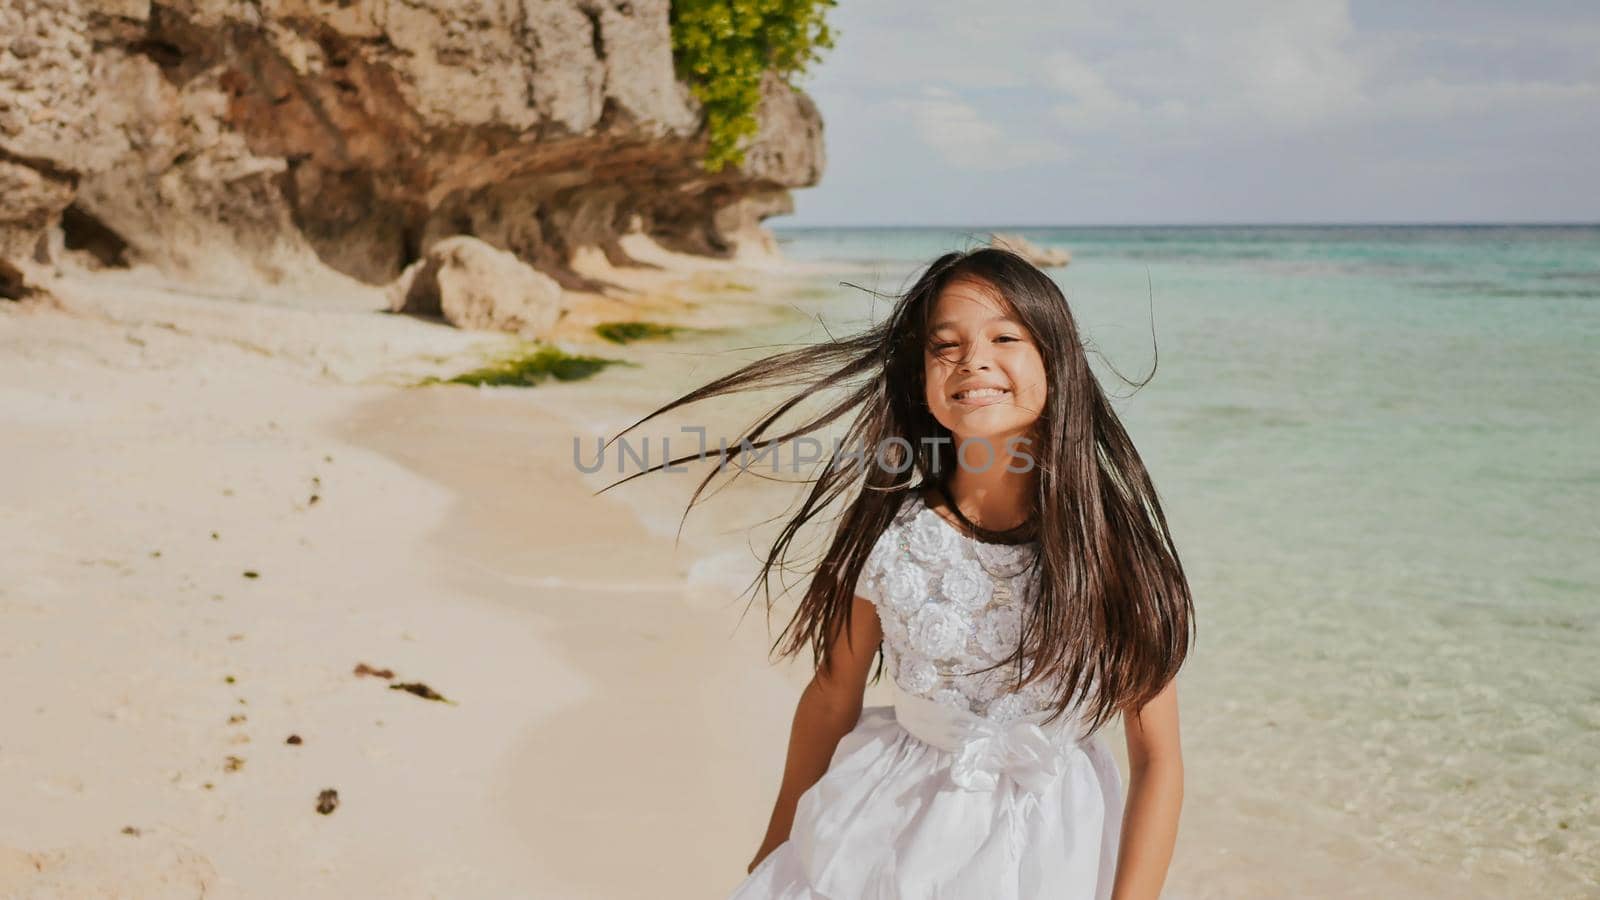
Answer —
1004 555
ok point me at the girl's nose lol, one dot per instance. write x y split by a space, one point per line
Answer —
978 358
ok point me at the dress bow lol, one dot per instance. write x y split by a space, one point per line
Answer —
1021 750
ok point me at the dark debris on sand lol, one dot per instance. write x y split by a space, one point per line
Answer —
421 690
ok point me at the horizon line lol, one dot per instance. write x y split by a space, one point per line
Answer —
1302 224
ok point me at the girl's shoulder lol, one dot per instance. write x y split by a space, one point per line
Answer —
890 543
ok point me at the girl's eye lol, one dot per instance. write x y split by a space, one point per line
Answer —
947 345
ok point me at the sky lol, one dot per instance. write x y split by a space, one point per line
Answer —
1045 112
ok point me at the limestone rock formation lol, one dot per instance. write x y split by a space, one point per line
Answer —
1043 257
472 285
274 139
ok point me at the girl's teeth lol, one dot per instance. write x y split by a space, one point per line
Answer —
981 392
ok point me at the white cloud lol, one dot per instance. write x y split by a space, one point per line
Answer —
1238 73
963 137
1089 102
1173 110
1225 69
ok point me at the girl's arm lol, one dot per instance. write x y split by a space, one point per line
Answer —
829 708
1155 795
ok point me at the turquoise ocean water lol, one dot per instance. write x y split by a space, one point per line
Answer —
1379 451
1379 448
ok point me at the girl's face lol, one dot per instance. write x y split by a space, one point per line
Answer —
982 370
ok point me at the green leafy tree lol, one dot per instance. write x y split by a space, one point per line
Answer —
723 47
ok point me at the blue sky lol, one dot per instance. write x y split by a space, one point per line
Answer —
1032 112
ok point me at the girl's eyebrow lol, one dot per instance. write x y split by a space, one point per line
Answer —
1000 318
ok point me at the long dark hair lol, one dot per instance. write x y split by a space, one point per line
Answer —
1112 616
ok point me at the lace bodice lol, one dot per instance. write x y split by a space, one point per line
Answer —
949 605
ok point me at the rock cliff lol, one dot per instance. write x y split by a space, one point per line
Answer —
273 139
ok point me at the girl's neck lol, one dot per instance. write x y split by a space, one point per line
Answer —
997 500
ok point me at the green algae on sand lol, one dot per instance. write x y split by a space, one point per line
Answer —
529 365
625 332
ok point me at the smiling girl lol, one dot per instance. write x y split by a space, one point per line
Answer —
1004 555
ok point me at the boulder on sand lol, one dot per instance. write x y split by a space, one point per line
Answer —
473 285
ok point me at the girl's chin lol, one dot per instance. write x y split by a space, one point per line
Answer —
996 436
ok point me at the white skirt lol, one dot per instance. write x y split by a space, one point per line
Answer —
921 801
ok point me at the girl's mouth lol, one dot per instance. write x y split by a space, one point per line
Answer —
981 396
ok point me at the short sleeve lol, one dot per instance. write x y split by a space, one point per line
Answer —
869 582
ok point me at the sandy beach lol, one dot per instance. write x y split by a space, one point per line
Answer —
218 509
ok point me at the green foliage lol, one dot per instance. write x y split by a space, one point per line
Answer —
722 47
623 332
531 365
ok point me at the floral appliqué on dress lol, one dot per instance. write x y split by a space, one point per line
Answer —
951 605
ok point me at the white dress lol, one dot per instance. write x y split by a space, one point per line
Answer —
955 791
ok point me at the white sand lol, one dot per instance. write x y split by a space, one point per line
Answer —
160 445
